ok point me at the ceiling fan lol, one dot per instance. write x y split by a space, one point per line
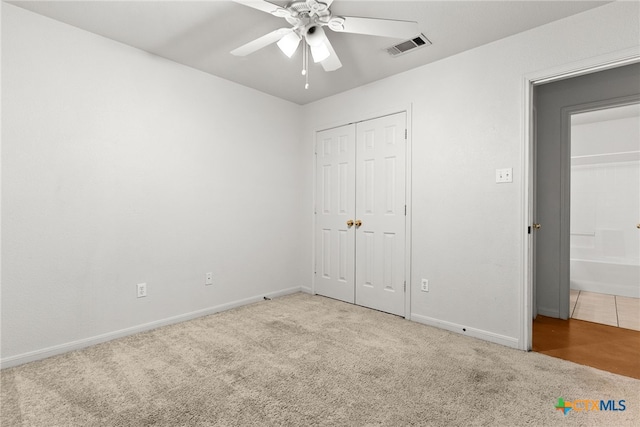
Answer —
308 19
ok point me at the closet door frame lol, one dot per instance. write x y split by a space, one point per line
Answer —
355 118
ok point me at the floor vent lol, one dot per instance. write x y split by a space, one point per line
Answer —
408 45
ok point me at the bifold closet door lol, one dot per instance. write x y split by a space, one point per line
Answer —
335 207
381 211
360 213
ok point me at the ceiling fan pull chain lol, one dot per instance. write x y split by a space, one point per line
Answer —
306 76
306 66
304 58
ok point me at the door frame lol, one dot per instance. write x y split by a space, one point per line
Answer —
587 66
356 118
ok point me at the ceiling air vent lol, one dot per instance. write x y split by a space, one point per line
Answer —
408 45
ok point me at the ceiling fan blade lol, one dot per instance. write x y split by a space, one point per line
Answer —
378 27
332 63
261 42
262 5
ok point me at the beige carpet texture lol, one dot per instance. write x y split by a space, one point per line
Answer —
304 360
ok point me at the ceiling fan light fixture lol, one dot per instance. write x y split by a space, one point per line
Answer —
289 44
319 52
314 35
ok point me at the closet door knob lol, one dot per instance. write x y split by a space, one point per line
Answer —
637 225
358 223
350 223
537 226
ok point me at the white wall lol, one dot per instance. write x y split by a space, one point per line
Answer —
119 167
467 114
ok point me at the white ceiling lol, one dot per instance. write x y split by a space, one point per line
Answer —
201 34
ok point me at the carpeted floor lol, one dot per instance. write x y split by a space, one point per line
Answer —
306 360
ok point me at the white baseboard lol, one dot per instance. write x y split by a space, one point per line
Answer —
466 330
32 356
306 290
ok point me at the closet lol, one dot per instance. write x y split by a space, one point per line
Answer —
361 213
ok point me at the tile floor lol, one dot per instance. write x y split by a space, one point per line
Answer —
623 312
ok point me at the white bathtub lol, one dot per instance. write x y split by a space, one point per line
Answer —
615 278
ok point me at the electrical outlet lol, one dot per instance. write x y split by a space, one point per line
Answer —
504 175
142 290
425 285
209 279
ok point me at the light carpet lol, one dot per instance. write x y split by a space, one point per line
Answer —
305 360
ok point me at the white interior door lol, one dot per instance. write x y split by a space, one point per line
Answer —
381 210
335 205
361 213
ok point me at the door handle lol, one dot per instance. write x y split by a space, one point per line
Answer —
350 223
537 226
358 223
637 225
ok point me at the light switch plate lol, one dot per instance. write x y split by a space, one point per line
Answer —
504 175
141 290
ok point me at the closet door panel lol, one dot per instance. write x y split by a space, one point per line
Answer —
380 209
335 206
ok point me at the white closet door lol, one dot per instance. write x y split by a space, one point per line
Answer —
335 205
380 206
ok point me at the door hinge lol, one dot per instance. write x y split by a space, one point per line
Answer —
529 230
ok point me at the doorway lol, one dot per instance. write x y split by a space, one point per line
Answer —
554 105
553 331
605 216
361 174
